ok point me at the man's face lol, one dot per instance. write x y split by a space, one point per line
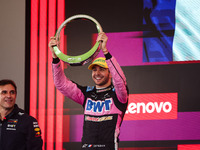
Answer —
101 76
7 97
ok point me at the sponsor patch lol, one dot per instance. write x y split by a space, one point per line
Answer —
36 129
98 106
98 119
93 145
12 123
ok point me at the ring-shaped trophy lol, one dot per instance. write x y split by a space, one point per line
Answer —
80 59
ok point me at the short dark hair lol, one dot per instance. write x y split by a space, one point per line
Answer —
8 81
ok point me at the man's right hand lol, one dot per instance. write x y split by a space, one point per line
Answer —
53 42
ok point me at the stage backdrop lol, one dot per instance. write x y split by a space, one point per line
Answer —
12 41
157 44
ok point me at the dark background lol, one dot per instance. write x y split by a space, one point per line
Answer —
125 16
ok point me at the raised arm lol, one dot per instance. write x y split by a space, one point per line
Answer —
118 77
62 83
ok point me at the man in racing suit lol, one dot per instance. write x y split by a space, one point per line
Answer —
18 130
104 104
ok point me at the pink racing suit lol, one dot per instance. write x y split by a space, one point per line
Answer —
104 109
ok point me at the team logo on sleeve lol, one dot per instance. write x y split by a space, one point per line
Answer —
36 129
38 134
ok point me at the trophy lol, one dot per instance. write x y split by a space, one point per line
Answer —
83 58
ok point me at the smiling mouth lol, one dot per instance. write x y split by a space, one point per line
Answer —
9 100
98 78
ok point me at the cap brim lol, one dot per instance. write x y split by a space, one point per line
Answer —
92 65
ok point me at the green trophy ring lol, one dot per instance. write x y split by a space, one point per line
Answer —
80 59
